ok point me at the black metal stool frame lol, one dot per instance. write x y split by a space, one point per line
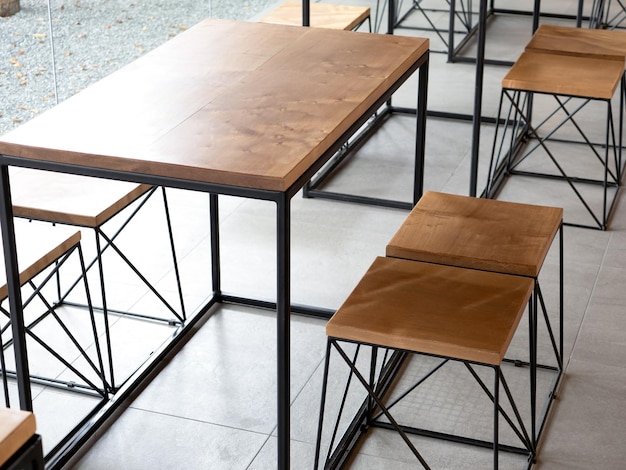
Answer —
90 388
518 123
376 396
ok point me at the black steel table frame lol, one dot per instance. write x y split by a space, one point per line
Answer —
282 305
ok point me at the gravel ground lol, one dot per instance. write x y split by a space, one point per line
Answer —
92 38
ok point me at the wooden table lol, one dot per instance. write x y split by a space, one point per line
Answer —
245 109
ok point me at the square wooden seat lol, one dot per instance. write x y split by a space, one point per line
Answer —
107 207
322 15
453 313
477 233
491 235
20 447
582 42
529 143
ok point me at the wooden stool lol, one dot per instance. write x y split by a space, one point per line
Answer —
574 82
322 15
598 43
91 203
43 251
490 235
20 447
452 313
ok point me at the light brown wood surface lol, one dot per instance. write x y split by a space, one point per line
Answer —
237 103
321 15
569 75
477 233
38 245
70 199
600 43
453 312
16 428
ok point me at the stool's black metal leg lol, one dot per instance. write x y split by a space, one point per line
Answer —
320 424
532 316
496 415
561 295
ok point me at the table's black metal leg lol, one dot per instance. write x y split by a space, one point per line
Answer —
15 294
478 96
214 218
283 300
420 144
536 13
306 12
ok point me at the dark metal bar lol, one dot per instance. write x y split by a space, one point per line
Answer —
283 301
14 291
420 132
306 12
306 310
478 97
214 222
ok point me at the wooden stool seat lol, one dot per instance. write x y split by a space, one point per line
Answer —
16 429
35 256
588 77
477 233
322 15
443 310
582 42
70 199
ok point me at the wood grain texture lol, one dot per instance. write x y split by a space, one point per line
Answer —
569 75
236 103
321 15
70 199
599 43
453 312
37 248
477 233
16 428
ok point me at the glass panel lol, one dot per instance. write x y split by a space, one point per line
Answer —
52 49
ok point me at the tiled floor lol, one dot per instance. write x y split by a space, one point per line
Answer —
213 404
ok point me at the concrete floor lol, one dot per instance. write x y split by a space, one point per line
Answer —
213 404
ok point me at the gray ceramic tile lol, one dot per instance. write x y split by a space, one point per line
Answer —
142 439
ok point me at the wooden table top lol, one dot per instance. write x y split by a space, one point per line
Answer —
454 312
236 103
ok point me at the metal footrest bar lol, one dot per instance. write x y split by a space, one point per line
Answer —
299 309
